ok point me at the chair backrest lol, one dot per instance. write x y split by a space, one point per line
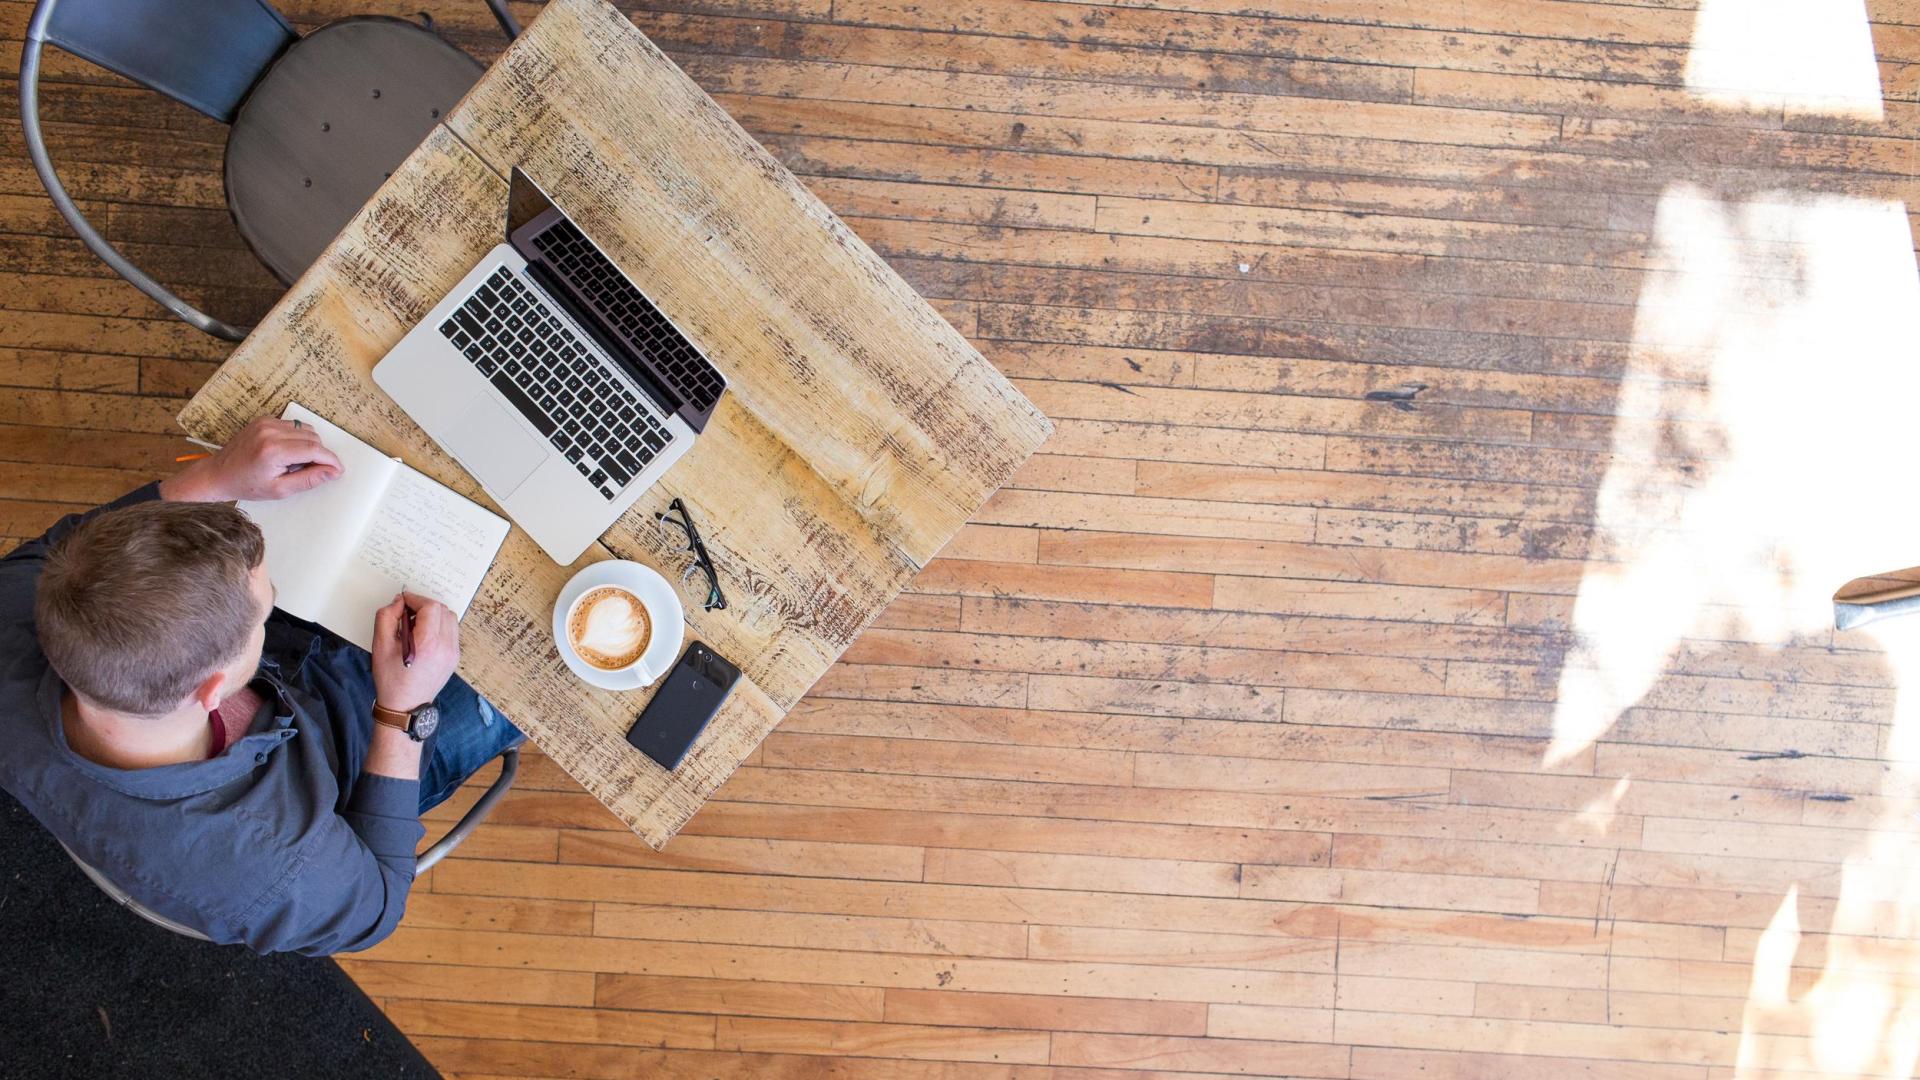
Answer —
125 899
205 54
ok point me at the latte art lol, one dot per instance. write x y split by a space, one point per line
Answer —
609 628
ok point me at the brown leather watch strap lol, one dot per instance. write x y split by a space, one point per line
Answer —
393 718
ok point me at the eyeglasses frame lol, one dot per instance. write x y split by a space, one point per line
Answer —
716 600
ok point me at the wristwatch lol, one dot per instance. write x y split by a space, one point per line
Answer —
418 723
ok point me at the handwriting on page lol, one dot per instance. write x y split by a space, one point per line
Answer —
430 540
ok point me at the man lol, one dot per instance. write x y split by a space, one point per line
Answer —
234 769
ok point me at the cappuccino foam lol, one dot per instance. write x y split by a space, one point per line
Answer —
609 628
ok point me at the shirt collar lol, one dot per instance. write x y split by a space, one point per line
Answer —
186 778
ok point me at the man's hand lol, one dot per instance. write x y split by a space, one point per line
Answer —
269 459
436 652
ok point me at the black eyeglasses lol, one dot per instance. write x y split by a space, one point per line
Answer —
676 515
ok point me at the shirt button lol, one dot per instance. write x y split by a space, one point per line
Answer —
258 758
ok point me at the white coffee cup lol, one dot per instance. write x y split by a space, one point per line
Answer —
609 627
663 610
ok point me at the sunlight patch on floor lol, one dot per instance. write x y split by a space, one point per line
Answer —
1758 460
1811 56
1756 469
1773 358
1755 465
1861 1016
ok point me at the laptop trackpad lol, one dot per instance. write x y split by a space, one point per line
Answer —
493 447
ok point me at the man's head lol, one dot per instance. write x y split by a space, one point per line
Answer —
144 608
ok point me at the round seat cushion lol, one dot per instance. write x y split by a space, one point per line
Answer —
327 124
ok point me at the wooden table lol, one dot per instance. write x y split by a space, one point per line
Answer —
859 433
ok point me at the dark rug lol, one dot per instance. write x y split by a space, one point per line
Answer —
88 989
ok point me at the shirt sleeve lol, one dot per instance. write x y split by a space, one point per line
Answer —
349 888
38 548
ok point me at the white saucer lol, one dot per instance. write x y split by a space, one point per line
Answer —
663 608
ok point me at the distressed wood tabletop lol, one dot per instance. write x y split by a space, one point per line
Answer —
859 432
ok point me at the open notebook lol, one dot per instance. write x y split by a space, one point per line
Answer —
342 550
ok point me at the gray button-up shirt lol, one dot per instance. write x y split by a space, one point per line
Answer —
280 842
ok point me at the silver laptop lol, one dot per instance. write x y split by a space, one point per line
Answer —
553 379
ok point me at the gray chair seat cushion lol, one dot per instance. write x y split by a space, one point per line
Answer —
327 124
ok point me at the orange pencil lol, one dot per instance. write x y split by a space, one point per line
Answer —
211 449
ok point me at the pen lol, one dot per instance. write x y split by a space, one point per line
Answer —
191 457
407 659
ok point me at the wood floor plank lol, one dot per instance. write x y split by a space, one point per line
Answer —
901 1041
1039 1012
424 982
737 997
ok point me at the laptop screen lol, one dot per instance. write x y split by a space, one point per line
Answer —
525 201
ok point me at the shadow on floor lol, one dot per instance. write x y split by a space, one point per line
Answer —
89 990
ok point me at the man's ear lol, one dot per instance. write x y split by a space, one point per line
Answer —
211 691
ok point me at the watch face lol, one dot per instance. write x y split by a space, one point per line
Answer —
426 718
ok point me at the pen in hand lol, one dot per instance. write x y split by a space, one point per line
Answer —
406 660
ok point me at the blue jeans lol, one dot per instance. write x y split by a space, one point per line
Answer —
471 733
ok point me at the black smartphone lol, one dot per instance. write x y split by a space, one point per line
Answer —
694 690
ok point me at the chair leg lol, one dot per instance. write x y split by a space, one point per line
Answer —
501 14
29 87
509 766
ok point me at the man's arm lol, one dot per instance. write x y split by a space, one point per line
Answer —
348 887
269 459
404 687
358 898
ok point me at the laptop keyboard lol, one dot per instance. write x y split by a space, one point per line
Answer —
540 365
674 358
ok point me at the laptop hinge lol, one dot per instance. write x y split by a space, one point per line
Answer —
555 288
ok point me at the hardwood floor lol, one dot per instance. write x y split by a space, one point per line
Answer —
1376 333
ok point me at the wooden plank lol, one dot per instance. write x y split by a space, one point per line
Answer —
1234 33
606 1027
736 997
1005 832
987 975
421 982
907 1041
1235 1056
1205 108
1039 1012
1146 65
946 937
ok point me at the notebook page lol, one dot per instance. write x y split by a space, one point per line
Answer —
423 537
310 536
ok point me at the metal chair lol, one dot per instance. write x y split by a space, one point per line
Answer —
318 122
469 821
